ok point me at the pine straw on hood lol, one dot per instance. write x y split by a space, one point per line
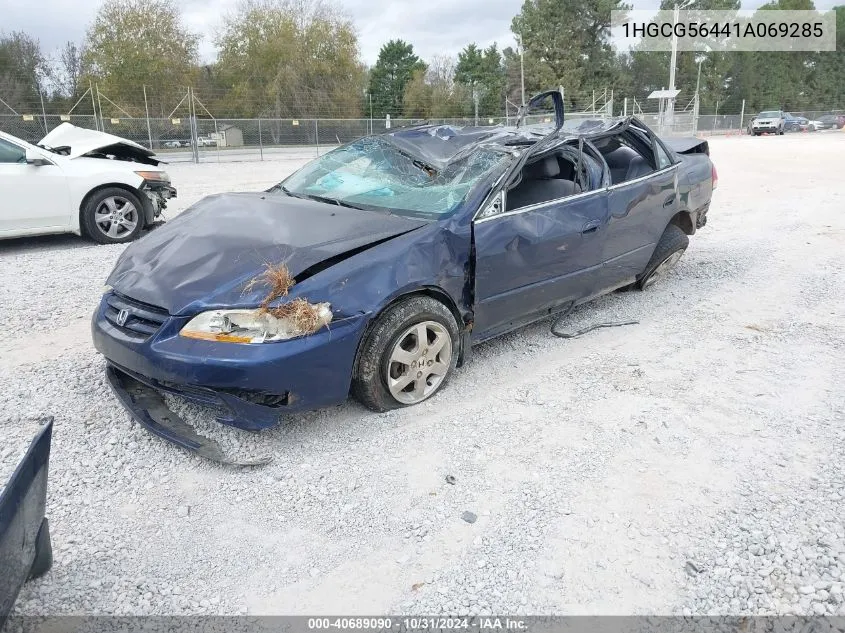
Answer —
278 278
304 316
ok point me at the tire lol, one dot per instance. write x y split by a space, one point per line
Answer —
669 249
780 132
395 334
106 218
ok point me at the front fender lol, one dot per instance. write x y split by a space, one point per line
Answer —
436 256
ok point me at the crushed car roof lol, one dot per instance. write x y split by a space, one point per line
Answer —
440 144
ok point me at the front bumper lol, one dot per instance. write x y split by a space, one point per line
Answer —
158 193
250 386
766 129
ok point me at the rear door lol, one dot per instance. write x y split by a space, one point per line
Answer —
639 210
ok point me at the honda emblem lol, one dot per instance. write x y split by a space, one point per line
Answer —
122 316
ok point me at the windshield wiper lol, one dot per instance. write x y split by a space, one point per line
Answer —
316 198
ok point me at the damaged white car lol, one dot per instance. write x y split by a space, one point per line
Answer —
74 180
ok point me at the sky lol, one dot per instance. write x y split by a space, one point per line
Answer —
434 27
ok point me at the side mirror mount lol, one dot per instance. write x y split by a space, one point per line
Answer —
33 158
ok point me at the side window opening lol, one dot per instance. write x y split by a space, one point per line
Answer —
662 156
625 158
548 178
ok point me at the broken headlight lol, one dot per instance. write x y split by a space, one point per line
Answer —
291 320
155 176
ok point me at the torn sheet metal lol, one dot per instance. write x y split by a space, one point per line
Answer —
149 409
25 548
210 251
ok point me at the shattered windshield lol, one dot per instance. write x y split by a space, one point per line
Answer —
373 173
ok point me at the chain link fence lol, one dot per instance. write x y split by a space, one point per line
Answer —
207 139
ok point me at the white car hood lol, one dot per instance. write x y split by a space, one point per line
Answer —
80 141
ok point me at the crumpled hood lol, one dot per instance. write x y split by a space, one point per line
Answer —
211 251
82 141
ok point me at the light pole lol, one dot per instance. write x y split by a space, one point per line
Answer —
700 60
521 65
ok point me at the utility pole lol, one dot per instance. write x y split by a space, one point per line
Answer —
522 67
697 97
475 103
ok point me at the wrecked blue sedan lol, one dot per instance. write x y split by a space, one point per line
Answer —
376 267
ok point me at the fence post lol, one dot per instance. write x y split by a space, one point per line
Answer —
147 112
317 137
93 105
193 119
742 117
625 107
43 111
716 116
260 142
100 106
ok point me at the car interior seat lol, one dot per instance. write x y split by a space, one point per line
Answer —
626 164
541 182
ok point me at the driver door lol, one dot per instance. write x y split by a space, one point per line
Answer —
537 260
35 197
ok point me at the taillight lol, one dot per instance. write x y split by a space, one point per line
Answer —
714 175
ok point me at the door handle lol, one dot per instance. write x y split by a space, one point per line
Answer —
590 227
669 201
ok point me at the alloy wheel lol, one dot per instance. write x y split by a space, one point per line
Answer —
419 362
116 217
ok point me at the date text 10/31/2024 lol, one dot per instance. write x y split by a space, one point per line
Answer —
374 624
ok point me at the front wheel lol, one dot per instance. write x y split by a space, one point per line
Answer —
669 249
780 132
407 356
113 216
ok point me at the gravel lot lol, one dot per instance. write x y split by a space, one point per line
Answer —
688 464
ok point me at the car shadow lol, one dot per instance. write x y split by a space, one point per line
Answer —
15 245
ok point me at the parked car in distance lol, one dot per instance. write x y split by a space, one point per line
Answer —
769 122
792 123
375 268
74 180
206 141
831 121
749 129
814 126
